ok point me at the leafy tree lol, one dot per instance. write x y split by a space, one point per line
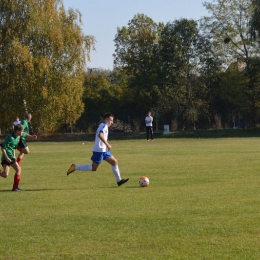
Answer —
42 58
102 93
255 20
178 51
208 69
229 26
229 97
134 57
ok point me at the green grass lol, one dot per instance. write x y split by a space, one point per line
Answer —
202 203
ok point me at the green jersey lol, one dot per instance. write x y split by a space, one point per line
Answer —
25 125
10 144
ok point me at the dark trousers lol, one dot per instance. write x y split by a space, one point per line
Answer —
149 130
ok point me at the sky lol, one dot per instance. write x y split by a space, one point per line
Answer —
101 18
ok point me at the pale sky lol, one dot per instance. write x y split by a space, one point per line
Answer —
102 17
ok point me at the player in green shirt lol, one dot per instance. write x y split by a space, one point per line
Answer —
8 147
22 146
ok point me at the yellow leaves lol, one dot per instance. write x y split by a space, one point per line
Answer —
43 65
20 52
43 56
44 92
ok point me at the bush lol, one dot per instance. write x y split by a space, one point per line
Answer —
120 126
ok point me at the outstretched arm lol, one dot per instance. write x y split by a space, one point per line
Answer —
31 136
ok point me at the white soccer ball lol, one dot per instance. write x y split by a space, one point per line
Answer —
144 181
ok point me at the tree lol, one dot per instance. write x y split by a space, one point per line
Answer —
102 93
229 26
178 55
229 99
42 59
255 20
134 57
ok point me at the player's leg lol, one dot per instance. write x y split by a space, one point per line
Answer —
84 167
151 132
147 133
95 166
5 171
114 163
96 160
23 149
17 176
87 167
20 157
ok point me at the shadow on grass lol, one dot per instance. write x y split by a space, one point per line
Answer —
133 187
34 190
26 190
223 133
125 187
55 189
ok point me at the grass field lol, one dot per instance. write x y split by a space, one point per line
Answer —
202 203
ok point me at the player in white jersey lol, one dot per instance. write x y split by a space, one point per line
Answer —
101 151
149 125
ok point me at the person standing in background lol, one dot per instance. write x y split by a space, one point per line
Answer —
149 125
16 122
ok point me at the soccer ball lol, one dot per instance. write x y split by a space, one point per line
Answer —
144 181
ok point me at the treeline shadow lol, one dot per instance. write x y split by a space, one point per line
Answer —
74 137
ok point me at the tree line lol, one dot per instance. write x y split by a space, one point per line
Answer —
191 74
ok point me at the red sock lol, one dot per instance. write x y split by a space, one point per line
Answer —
16 181
19 159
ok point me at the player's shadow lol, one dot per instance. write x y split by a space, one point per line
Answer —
35 190
61 189
52 189
127 187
